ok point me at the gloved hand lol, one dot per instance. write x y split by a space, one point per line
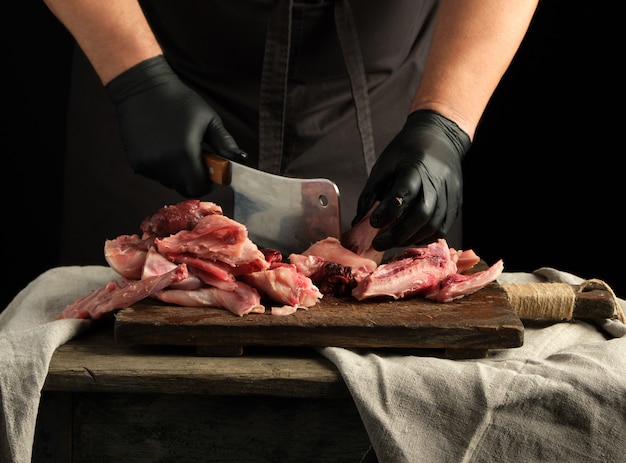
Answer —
418 180
163 124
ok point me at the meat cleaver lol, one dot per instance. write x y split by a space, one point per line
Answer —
284 213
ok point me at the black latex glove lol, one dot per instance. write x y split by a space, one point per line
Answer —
164 123
418 180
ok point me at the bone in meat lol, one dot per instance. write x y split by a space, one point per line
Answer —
215 237
458 285
184 215
126 255
331 250
212 273
285 285
410 275
359 238
115 296
156 264
243 300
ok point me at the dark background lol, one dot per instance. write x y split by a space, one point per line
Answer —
543 178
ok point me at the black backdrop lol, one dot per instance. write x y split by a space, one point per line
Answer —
543 179
544 182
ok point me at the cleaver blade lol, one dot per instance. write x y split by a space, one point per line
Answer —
283 213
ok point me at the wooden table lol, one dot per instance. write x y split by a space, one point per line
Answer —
105 402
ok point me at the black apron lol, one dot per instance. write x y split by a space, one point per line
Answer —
306 88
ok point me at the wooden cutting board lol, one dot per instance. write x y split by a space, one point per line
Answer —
465 328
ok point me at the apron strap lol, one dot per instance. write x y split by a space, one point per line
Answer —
349 41
273 98
274 78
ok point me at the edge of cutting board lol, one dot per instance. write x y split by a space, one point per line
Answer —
477 322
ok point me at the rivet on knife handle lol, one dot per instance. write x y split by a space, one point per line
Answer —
218 168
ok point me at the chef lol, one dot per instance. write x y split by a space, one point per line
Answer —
381 97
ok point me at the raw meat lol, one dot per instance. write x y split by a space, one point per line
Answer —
465 260
126 255
422 269
432 272
155 264
190 254
336 279
307 265
212 273
359 238
331 250
284 310
181 216
284 284
272 255
115 296
330 277
240 301
214 237
457 285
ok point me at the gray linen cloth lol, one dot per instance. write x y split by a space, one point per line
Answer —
560 397
29 334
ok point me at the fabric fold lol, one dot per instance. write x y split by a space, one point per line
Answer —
559 397
29 335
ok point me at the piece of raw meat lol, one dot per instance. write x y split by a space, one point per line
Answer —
126 255
331 250
209 272
285 285
432 272
359 238
190 254
215 237
330 277
306 265
465 259
215 252
115 296
241 301
457 285
335 279
415 271
155 264
184 215
272 256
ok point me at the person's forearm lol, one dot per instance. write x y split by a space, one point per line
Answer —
114 34
473 45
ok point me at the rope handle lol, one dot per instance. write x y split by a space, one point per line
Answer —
562 301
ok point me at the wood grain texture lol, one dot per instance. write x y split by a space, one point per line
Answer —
595 304
93 362
165 404
218 169
483 320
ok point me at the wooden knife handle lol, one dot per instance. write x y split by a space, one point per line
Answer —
218 168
